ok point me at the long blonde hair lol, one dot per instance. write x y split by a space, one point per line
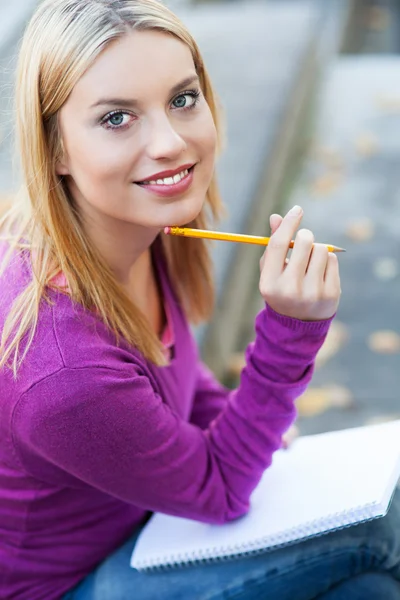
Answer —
62 40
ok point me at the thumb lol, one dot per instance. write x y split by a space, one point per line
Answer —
274 222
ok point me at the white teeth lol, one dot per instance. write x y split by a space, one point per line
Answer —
168 180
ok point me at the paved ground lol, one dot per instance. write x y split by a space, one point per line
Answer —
350 191
13 16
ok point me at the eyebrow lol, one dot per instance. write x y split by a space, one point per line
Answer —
131 103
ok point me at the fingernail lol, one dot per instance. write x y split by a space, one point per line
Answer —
295 211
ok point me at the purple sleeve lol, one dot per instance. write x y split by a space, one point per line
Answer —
209 399
111 430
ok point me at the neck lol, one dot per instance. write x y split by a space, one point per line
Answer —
125 248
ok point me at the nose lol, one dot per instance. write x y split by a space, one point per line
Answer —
163 139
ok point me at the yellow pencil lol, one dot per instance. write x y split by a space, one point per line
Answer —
230 237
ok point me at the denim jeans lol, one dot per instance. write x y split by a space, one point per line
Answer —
356 563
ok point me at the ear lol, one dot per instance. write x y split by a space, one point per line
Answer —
61 159
61 168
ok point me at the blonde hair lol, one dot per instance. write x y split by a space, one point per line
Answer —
62 40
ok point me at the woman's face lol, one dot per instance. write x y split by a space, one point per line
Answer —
138 136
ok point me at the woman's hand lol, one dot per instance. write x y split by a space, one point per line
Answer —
289 436
307 286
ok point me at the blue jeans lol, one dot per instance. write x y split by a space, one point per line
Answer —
357 563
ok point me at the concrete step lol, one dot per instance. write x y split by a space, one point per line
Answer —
13 18
349 187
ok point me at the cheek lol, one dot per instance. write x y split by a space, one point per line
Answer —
94 159
93 154
207 138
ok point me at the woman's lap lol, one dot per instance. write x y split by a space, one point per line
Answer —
298 572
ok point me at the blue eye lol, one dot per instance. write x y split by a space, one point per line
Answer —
117 119
186 100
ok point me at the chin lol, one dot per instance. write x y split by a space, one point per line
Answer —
183 214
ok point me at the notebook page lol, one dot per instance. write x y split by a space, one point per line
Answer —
319 476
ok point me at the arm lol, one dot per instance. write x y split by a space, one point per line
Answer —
209 399
108 428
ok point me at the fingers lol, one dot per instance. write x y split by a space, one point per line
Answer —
301 253
289 436
317 266
274 222
332 276
307 287
279 244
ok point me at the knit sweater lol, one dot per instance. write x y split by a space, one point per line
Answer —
93 436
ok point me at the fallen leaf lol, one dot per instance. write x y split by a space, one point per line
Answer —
315 401
366 144
377 18
389 104
378 419
385 268
336 338
329 157
236 363
6 201
361 230
384 342
325 184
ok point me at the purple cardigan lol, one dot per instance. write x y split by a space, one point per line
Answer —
93 436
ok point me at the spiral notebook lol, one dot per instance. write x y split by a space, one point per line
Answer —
321 483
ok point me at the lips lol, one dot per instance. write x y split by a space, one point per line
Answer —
174 184
168 174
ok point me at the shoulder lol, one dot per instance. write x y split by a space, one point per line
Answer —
66 335
84 341
71 343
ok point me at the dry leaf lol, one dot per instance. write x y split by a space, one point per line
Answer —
384 342
377 18
378 419
5 202
236 363
385 268
360 231
329 157
315 401
326 183
336 338
366 144
388 104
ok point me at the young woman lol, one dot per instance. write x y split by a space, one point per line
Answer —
106 411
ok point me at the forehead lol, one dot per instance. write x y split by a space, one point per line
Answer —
136 64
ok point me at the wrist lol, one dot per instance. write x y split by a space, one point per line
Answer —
294 323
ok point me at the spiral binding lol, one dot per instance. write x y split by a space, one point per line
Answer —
334 522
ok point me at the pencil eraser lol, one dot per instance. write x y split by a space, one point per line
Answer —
167 230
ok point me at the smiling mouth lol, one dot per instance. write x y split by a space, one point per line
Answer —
173 180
